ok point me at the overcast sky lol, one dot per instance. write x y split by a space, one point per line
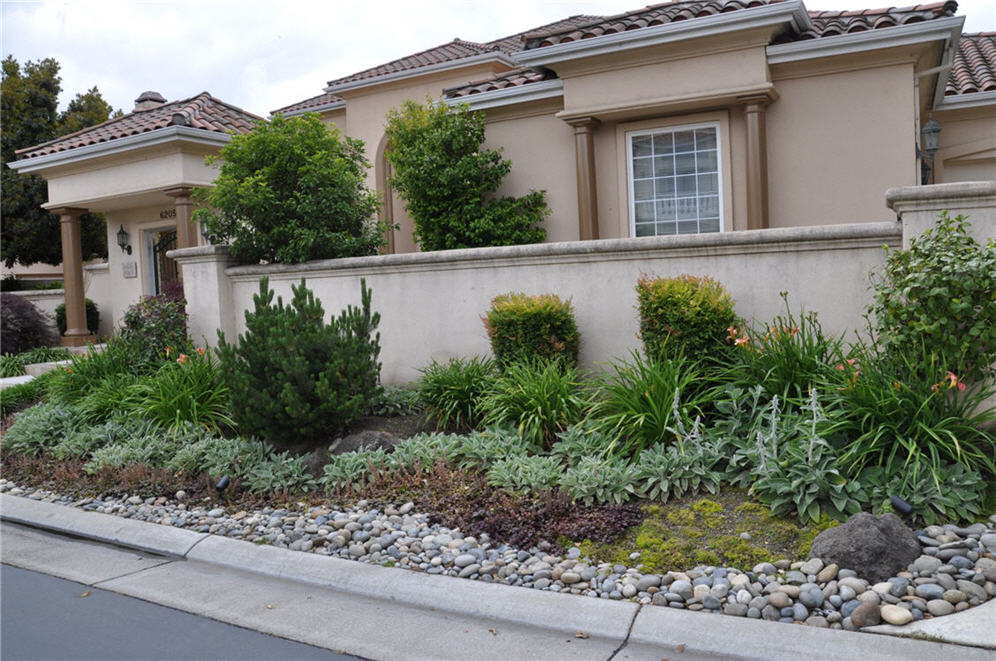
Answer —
264 54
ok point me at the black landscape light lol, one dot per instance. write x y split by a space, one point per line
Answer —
222 484
901 506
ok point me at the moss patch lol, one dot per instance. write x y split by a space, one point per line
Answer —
708 531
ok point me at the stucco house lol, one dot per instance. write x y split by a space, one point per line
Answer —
690 117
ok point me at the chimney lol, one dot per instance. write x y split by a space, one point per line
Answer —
148 100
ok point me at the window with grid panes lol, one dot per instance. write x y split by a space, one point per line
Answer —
674 180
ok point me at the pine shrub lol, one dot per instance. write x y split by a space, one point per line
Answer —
684 315
92 317
22 325
528 328
295 380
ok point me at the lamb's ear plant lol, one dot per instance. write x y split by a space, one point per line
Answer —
600 480
580 440
424 450
480 449
353 470
684 467
526 473
280 472
955 495
40 428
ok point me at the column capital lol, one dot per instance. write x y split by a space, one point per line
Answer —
179 191
75 212
583 124
755 102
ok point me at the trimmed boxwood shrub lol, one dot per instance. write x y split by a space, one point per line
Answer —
684 315
296 381
92 317
22 325
529 328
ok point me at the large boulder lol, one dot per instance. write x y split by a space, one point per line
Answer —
877 547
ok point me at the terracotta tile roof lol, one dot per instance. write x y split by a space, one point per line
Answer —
832 23
650 16
514 78
457 49
825 23
200 112
974 67
322 99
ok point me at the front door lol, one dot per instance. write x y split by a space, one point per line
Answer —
164 269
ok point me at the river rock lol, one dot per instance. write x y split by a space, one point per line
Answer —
876 547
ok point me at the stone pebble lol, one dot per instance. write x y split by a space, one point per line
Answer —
956 570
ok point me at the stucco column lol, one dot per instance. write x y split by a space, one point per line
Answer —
186 233
584 153
76 334
757 161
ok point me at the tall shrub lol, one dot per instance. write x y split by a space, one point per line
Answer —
448 180
684 315
290 191
296 380
528 328
940 293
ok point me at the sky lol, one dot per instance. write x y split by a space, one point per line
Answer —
262 55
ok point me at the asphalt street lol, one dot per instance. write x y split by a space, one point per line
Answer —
44 617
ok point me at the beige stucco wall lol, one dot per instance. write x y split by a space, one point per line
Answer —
116 181
541 149
968 145
836 141
431 304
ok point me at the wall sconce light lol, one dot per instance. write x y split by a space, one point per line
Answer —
930 138
123 240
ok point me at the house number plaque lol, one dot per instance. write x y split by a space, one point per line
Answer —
130 269
167 213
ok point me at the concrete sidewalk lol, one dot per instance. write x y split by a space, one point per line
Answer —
385 613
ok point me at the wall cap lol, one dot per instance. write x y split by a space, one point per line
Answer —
967 194
787 238
200 254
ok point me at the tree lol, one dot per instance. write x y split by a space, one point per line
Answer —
448 181
291 191
28 105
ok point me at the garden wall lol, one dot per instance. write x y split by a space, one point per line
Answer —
431 303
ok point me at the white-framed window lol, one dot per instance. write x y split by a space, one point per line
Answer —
675 185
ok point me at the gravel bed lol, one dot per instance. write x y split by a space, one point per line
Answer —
957 568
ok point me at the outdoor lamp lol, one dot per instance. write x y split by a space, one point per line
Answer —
123 240
930 139
931 136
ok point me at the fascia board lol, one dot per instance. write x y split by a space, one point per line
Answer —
421 71
120 145
546 89
792 12
326 107
947 59
900 35
972 100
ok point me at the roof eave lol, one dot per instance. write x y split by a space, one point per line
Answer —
120 145
544 89
792 12
496 56
325 107
970 100
844 44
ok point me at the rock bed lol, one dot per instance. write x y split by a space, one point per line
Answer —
957 568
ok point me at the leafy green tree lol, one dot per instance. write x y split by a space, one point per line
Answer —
292 190
28 105
448 181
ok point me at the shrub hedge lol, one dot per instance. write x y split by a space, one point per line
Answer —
528 328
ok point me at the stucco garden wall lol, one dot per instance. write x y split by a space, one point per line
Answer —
431 303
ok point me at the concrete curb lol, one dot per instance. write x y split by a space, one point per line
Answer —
640 632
